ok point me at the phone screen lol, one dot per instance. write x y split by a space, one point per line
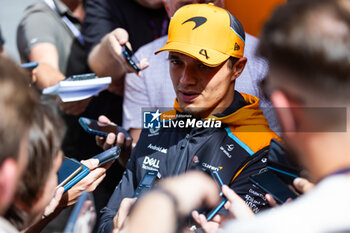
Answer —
270 183
148 180
68 169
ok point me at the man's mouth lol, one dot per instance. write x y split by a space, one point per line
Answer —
188 96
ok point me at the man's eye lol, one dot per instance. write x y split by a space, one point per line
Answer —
174 61
202 66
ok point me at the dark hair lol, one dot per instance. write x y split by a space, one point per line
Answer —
45 138
232 61
296 40
17 105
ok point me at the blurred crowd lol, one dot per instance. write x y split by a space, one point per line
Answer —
218 130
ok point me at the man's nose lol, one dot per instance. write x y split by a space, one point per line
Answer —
188 77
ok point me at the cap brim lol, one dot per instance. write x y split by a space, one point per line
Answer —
207 56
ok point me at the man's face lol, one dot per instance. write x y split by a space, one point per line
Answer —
37 208
23 154
282 93
174 5
201 90
11 172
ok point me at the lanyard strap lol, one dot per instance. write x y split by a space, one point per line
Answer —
77 34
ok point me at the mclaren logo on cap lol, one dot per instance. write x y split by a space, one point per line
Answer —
198 20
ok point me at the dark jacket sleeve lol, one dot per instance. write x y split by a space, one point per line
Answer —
124 189
252 195
101 17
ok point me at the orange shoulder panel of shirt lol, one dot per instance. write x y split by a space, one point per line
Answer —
255 137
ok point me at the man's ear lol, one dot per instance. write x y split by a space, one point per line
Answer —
284 111
8 183
238 67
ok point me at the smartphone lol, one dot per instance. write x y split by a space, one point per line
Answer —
219 182
30 65
68 170
286 174
271 184
131 58
147 182
108 155
101 129
70 173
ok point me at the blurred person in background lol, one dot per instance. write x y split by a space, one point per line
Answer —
39 181
307 46
17 105
110 24
37 201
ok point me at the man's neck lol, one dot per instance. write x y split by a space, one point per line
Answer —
76 7
71 4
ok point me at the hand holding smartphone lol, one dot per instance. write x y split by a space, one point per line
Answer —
101 129
70 173
271 184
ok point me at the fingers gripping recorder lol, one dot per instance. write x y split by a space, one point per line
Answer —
148 180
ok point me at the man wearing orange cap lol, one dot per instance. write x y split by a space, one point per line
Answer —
212 127
154 88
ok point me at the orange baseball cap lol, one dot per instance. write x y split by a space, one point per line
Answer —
205 32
